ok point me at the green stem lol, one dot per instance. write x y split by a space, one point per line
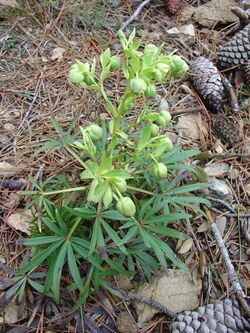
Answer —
140 190
66 190
76 157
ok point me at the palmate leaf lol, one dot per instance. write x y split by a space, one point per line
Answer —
114 236
10 292
74 269
58 271
39 258
41 240
165 231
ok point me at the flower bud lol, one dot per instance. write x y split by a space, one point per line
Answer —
151 48
107 197
159 171
95 132
164 68
150 91
138 86
75 76
120 184
158 76
126 207
166 141
114 63
161 121
166 115
178 66
154 130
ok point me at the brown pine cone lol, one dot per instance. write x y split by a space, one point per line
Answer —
221 317
207 81
225 130
246 72
172 6
237 50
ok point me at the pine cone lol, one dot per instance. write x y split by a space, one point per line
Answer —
246 72
221 317
225 130
207 81
172 6
237 50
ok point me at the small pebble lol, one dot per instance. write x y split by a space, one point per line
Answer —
9 127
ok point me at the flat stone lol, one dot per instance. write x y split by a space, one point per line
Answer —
219 189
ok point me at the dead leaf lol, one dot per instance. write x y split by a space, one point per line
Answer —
124 282
7 169
192 126
186 246
125 324
221 222
217 169
174 290
57 53
11 313
11 3
21 221
247 189
203 227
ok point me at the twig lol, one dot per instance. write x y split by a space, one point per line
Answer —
229 207
149 301
134 15
245 228
231 94
232 276
230 155
241 14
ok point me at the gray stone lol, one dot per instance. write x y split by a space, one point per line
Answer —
219 189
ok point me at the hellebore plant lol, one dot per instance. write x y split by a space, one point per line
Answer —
129 192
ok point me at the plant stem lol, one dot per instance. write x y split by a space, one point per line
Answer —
81 188
76 157
140 190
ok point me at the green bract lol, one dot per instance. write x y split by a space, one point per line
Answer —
95 132
154 130
119 184
161 121
159 170
114 63
138 86
167 142
166 115
178 66
150 91
126 207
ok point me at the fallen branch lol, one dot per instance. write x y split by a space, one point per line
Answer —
232 276
134 15
145 300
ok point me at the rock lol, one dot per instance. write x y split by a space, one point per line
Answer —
4 140
125 324
215 12
164 105
209 14
221 222
219 189
7 169
173 289
11 313
217 169
185 32
9 127
11 3
2 260
57 53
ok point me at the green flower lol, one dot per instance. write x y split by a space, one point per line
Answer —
154 130
138 86
94 131
114 63
150 91
126 207
166 115
159 171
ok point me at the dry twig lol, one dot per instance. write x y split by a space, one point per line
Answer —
134 15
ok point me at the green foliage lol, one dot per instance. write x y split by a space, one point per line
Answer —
128 200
